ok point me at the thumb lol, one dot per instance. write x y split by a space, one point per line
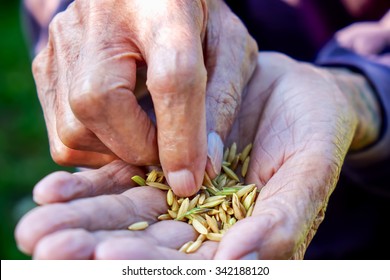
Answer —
231 61
177 83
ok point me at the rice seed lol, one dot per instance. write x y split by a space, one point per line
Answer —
244 190
238 208
158 185
193 202
250 210
213 212
200 219
201 199
230 173
213 190
139 180
173 214
138 226
212 223
183 209
220 178
194 246
214 198
232 152
199 227
225 205
230 211
235 162
226 155
231 183
222 214
201 237
197 210
212 204
152 176
226 163
244 168
223 182
164 217
175 205
185 246
207 181
248 201
245 152
214 236
170 197
232 221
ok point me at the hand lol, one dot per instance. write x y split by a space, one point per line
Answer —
302 120
86 228
196 55
368 38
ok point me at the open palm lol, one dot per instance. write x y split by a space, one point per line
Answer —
301 125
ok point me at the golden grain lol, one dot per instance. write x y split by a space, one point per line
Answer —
199 227
219 203
158 185
194 246
139 225
170 197
214 236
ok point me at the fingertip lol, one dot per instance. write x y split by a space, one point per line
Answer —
74 244
182 182
57 187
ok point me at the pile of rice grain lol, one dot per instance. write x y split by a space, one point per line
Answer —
218 204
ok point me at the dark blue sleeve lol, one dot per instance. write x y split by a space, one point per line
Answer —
370 167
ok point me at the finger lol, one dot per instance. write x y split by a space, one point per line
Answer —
46 75
136 249
102 87
61 186
231 59
177 83
65 32
140 249
81 244
287 215
101 212
371 43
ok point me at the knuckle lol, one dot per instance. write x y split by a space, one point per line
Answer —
87 98
61 154
56 26
182 75
71 134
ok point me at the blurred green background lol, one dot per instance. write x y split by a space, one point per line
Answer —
24 148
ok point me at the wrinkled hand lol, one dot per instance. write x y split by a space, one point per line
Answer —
368 38
302 121
191 55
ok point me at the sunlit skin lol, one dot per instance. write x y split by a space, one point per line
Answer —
302 121
92 68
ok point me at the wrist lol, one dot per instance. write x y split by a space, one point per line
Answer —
361 96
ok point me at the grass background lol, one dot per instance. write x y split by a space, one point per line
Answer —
24 148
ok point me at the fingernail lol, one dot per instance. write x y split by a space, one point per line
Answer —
214 153
250 256
182 182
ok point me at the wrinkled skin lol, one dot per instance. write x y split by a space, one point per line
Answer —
302 120
100 57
